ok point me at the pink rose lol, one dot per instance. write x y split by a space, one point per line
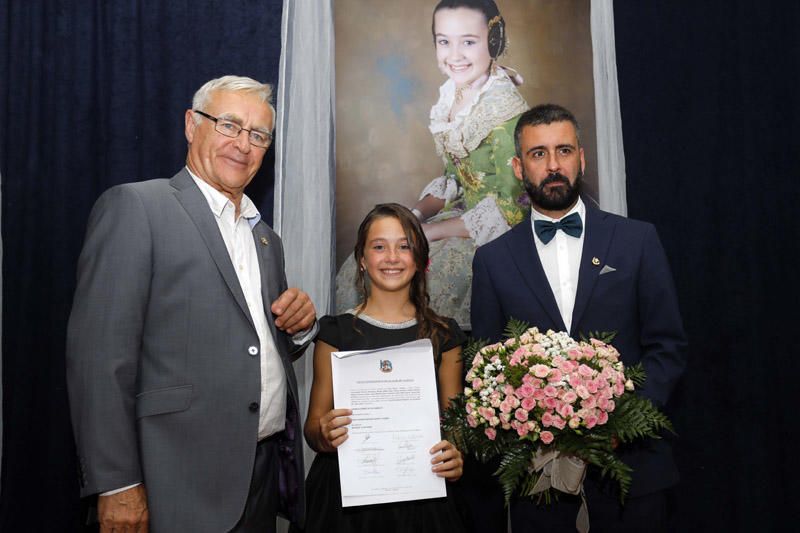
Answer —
524 391
494 399
585 371
555 376
491 433
582 391
476 383
591 386
522 430
546 437
559 422
550 403
575 381
570 397
486 412
591 421
589 403
602 418
501 378
527 379
469 408
494 421
611 406
550 391
528 404
574 422
574 353
505 406
602 403
538 394
471 421
521 415
540 371
566 410
547 419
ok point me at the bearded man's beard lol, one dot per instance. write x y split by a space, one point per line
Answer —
554 198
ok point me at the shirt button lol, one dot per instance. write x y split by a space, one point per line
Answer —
252 351
253 407
241 267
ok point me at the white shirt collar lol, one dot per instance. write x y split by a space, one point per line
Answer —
218 201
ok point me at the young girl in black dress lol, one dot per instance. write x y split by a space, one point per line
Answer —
392 254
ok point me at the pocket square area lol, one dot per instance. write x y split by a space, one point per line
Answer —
606 269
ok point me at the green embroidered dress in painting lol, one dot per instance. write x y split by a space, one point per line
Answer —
478 185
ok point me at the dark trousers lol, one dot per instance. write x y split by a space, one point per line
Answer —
647 513
480 498
261 509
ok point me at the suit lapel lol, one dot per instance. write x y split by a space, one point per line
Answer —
268 276
523 252
599 231
196 206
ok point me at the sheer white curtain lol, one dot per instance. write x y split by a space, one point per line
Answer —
610 155
304 159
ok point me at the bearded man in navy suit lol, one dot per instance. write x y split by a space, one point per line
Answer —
575 268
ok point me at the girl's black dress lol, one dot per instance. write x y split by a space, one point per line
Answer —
324 512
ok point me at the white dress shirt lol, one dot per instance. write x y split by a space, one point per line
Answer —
238 237
561 260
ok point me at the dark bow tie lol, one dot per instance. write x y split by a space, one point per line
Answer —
571 225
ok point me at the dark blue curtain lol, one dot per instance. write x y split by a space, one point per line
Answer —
710 112
92 94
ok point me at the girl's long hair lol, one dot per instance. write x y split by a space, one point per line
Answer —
431 325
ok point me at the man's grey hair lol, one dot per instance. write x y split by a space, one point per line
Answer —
241 84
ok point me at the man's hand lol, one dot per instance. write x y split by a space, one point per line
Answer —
294 311
123 512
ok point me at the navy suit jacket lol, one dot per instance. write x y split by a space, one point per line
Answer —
637 300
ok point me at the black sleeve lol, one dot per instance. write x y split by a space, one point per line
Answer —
329 331
456 336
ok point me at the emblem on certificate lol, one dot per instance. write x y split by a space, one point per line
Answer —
386 365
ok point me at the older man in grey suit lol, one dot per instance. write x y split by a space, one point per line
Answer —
182 337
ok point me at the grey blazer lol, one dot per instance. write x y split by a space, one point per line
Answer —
163 382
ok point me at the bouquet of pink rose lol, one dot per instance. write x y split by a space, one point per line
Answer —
548 405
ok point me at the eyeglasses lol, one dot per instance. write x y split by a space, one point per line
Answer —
261 139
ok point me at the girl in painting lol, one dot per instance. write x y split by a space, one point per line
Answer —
392 253
477 198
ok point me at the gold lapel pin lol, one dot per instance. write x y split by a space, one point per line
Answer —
264 241
595 261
